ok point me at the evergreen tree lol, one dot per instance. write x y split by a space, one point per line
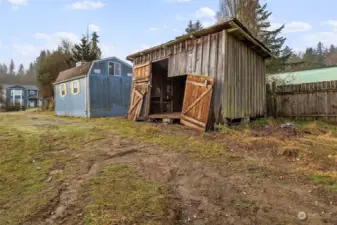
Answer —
11 67
320 51
31 68
4 68
332 49
82 51
21 70
95 50
190 27
256 18
273 40
193 27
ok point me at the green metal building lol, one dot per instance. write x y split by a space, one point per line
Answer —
305 76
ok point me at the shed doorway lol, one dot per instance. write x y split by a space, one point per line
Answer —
167 93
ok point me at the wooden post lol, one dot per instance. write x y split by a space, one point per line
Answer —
273 98
268 101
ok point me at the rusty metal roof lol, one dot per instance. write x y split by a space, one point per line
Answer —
236 28
74 72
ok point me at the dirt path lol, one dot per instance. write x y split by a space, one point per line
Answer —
200 192
252 185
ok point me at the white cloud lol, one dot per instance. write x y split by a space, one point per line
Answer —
327 38
209 22
94 28
56 37
332 23
51 41
294 27
153 29
17 3
85 5
178 1
291 27
205 12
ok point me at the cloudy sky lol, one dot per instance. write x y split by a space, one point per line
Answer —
126 26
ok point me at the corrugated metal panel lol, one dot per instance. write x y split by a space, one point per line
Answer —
71 105
306 76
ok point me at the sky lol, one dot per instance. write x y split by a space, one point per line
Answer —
127 26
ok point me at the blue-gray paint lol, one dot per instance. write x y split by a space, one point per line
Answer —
108 95
30 92
71 105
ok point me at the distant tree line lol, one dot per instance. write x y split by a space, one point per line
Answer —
313 58
46 67
50 63
9 74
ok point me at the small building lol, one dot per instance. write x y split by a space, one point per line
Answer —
216 75
304 76
94 89
24 96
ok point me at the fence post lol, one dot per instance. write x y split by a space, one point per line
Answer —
273 99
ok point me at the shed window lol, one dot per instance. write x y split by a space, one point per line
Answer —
75 87
115 69
63 90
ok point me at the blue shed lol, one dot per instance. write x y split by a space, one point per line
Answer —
94 89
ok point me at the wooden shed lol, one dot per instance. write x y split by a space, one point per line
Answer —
215 75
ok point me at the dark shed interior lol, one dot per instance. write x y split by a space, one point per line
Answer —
167 93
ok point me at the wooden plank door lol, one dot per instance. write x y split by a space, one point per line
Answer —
139 103
197 101
137 98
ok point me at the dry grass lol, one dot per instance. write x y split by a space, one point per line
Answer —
33 144
131 198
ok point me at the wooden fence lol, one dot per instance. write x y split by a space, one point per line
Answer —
310 101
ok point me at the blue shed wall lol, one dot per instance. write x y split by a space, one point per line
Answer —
109 95
71 105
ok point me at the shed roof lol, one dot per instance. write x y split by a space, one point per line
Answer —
74 72
233 25
306 76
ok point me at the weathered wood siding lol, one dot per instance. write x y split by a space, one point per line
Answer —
238 72
309 101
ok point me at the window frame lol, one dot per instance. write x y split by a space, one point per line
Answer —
73 87
63 87
32 92
114 69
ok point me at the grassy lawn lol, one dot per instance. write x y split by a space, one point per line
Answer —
33 145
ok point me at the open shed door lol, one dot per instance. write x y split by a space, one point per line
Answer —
139 94
197 101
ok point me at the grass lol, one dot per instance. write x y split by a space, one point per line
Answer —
29 150
327 181
196 147
32 144
132 199
22 173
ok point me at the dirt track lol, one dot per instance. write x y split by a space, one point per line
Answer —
254 185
